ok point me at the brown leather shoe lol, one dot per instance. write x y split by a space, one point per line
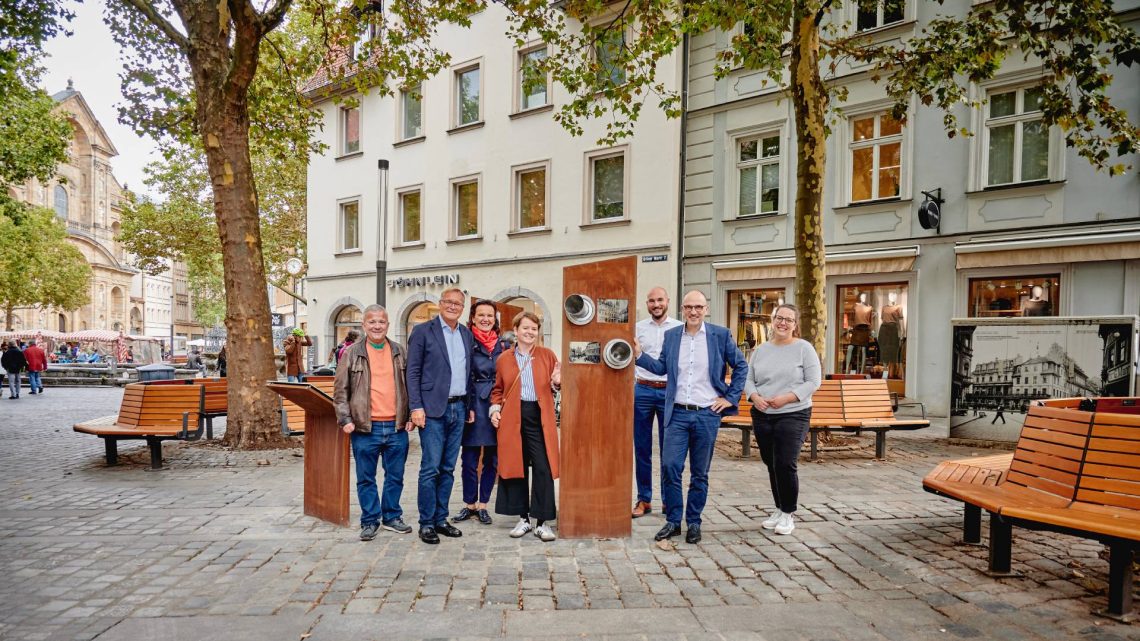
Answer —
641 508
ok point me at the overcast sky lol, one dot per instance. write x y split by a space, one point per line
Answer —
91 59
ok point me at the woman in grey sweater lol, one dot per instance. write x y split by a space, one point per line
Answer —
782 375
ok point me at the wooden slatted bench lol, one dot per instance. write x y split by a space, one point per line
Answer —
215 401
983 470
153 413
869 402
1076 472
292 416
840 405
1106 507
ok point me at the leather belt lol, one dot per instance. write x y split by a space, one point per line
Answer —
691 408
653 384
456 399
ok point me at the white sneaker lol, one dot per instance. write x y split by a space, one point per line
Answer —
522 528
786 525
545 533
771 521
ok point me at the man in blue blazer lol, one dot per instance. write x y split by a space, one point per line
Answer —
694 360
438 371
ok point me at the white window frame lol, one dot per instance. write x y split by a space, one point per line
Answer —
400 128
845 164
516 195
590 158
400 193
340 226
736 166
453 209
342 128
853 16
1018 119
520 55
456 72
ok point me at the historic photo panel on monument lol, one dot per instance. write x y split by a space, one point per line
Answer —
613 310
588 352
1000 367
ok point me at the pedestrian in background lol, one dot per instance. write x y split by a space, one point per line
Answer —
37 363
293 361
478 434
782 375
522 411
13 362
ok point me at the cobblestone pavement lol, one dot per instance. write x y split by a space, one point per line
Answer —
215 547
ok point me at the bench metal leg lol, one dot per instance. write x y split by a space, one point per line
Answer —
814 445
209 428
1119 584
880 444
1001 548
972 525
155 446
746 441
111 448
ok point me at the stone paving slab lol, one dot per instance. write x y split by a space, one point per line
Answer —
217 543
211 628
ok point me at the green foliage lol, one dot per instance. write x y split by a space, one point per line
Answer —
33 136
25 25
38 266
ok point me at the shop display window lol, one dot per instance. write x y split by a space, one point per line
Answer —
1015 296
750 316
872 330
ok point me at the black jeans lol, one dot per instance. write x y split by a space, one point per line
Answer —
779 438
533 494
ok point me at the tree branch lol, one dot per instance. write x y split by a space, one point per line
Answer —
822 11
154 17
273 17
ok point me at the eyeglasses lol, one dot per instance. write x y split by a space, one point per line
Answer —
450 303
783 320
693 308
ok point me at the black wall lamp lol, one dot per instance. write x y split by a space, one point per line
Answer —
930 211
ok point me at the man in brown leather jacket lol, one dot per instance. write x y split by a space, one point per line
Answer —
372 406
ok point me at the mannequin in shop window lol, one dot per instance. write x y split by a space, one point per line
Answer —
891 333
1036 305
860 319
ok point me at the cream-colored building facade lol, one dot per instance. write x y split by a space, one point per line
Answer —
484 191
86 195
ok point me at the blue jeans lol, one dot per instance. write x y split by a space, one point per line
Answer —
391 445
689 434
34 382
293 379
13 384
648 402
440 438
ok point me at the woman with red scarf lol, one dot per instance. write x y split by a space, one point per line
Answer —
478 434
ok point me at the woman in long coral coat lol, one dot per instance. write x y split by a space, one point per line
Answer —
522 412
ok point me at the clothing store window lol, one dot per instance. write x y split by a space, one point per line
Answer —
421 313
872 330
1014 296
750 316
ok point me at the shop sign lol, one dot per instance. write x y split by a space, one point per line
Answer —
424 281
1118 372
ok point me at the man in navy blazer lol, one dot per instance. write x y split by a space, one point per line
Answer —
438 371
694 360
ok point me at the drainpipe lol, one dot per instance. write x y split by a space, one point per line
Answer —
681 187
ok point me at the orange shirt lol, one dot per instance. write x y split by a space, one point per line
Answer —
383 384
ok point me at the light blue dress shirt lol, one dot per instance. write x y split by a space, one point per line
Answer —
457 356
526 376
